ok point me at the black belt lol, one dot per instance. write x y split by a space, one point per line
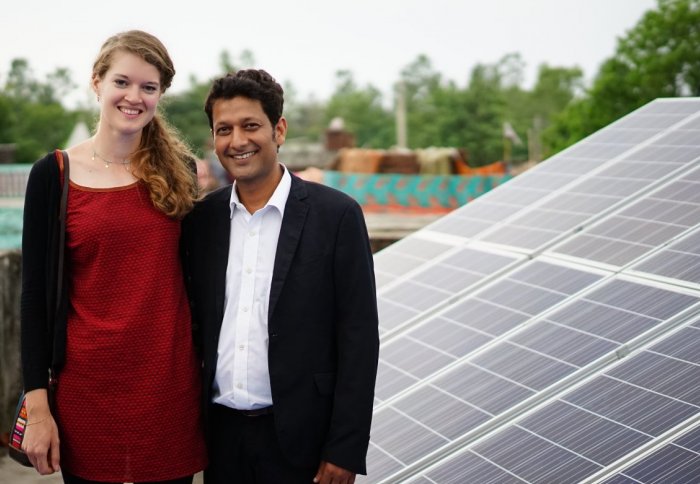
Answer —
258 412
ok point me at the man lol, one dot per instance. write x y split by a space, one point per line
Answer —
283 295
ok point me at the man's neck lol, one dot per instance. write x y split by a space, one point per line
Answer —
255 196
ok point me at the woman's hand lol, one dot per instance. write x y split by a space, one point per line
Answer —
41 442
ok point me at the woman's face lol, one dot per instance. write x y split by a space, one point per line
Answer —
128 93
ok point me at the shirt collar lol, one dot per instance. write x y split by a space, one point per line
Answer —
278 198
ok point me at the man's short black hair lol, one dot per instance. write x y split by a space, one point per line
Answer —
254 84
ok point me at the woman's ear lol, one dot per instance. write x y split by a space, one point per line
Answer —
95 85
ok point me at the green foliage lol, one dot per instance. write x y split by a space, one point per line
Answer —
438 112
362 111
305 119
657 58
31 115
185 111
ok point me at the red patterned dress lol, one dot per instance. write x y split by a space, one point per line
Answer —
127 402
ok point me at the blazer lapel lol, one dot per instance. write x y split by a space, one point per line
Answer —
295 212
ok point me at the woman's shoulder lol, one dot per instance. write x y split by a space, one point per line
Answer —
47 164
44 173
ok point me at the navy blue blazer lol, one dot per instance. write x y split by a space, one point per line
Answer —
323 324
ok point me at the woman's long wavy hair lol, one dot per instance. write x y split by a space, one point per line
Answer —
163 161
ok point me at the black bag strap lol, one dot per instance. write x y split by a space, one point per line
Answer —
62 228
62 157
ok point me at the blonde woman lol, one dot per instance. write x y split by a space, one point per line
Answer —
126 404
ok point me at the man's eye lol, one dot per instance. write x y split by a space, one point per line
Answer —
222 130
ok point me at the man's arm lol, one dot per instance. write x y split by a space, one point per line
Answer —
357 345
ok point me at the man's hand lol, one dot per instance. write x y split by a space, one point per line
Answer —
332 474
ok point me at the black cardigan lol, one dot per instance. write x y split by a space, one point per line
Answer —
40 236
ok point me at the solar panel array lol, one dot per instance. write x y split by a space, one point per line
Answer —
549 331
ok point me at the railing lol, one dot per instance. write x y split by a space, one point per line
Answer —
13 180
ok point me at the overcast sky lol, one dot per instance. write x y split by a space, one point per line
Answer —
307 41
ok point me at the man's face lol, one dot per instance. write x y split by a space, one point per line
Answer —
245 141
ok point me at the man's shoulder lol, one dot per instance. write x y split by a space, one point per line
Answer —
214 199
221 193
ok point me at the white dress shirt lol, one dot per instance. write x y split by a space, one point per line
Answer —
242 377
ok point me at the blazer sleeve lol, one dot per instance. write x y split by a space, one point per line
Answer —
357 343
35 263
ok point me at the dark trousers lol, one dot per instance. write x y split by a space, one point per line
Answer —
71 479
245 450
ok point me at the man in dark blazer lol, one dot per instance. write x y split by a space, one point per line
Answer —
284 301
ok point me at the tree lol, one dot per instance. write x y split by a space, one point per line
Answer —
32 115
362 112
657 58
484 104
305 119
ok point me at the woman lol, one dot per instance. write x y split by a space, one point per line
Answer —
126 403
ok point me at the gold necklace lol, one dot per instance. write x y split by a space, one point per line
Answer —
108 162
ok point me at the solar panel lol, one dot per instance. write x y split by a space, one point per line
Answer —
484 386
645 126
638 170
519 350
404 256
678 461
435 284
473 322
593 426
649 222
680 260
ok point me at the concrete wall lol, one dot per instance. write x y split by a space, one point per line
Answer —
10 375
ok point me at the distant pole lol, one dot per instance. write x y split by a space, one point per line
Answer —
506 149
401 129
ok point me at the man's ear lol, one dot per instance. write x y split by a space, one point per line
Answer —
281 131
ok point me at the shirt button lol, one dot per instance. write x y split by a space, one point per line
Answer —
245 309
241 347
239 386
252 233
249 270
